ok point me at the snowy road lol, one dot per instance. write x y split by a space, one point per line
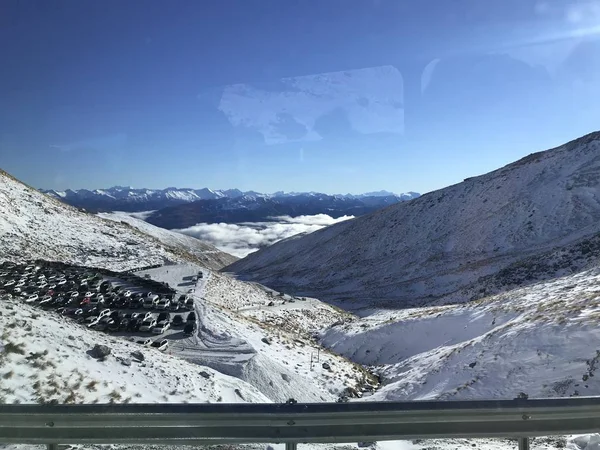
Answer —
209 346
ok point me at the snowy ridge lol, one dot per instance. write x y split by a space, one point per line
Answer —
206 253
426 250
33 225
188 195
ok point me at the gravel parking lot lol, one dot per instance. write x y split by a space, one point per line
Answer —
122 304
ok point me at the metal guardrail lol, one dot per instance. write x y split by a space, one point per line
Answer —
203 424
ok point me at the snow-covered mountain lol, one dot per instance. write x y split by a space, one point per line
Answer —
126 198
430 249
34 225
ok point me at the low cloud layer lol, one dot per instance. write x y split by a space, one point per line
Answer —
245 238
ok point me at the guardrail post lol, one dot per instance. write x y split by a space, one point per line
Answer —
52 446
523 443
288 446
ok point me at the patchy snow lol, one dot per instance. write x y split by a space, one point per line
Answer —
541 340
34 225
45 358
273 354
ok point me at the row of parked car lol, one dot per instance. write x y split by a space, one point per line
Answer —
134 322
102 301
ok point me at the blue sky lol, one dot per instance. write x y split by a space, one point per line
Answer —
335 96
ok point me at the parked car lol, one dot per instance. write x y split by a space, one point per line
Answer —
149 303
191 317
104 323
87 312
104 312
69 311
119 303
97 300
116 315
147 325
161 328
163 303
32 298
134 325
189 328
46 299
127 293
174 306
145 342
163 316
177 320
161 344
189 303
74 294
92 320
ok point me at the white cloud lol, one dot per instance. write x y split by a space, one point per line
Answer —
245 238
142 215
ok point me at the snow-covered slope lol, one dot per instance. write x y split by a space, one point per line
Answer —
275 351
541 340
45 358
425 250
34 225
209 255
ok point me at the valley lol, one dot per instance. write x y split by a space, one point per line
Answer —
483 290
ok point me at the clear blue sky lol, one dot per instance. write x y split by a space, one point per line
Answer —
333 96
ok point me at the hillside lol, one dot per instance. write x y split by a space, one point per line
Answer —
430 249
34 225
206 253
45 357
541 340
262 338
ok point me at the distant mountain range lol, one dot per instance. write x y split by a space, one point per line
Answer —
181 208
265 209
